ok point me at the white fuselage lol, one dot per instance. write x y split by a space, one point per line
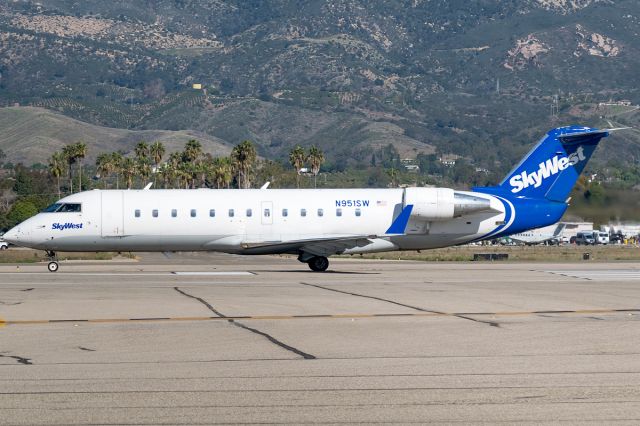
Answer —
259 221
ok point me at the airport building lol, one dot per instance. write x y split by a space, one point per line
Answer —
571 229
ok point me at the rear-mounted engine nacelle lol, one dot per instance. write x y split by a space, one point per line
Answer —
443 203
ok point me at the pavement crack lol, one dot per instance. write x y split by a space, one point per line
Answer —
417 308
19 359
82 348
201 300
274 340
247 328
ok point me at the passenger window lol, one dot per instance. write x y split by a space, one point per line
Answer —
154 213
174 213
303 212
249 213
338 212
267 213
358 212
320 212
137 213
285 212
212 213
193 212
231 213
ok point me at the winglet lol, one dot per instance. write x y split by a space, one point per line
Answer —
400 224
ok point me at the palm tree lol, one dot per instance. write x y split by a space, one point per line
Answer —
142 150
297 159
204 169
244 158
156 150
129 169
103 167
192 151
81 153
143 166
175 159
57 168
116 166
166 172
142 160
222 172
315 158
184 173
69 154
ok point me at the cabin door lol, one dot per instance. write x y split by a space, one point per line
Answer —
112 211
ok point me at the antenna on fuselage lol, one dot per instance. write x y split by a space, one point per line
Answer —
266 185
149 185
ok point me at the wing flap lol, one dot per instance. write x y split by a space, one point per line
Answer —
320 246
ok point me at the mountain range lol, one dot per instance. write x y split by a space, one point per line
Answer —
481 79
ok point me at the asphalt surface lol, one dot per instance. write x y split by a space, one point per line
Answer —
218 339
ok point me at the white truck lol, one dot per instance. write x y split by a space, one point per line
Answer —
3 244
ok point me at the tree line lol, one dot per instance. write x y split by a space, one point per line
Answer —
187 169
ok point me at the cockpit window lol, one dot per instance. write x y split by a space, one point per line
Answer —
64 208
71 208
52 208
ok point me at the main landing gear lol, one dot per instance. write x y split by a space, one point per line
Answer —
52 266
318 263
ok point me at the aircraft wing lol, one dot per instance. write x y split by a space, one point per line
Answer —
326 245
321 246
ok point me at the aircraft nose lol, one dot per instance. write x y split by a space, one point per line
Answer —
13 235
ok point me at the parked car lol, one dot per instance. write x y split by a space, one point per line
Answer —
585 238
616 238
601 237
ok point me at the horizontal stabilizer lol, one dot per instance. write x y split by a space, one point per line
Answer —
574 137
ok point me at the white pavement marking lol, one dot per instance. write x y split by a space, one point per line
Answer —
215 273
130 274
600 274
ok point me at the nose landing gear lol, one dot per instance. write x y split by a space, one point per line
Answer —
52 266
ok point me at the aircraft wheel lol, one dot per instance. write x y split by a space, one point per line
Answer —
52 266
318 263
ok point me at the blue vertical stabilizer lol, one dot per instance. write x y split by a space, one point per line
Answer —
550 170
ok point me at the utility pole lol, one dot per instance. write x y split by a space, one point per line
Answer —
555 107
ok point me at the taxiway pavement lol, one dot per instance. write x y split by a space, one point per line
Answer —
207 339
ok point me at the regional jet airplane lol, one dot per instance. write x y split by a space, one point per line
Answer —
549 234
316 223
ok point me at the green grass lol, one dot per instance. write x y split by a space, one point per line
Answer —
34 256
